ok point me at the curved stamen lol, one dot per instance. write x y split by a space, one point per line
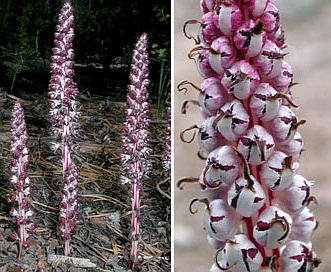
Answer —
282 95
293 84
284 223
194 52
209 166
200 155
191 22
184 105
186 180
202 200
309 200
246 170
217 118
301 122
188 129
186 82
219 266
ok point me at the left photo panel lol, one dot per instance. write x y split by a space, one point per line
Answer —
85 136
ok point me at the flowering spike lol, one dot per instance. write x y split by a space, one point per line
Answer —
136 137
250 140
166 159
19 179
64 115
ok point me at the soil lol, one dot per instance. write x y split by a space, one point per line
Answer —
103 228
307 26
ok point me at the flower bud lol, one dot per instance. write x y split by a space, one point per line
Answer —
269 61
212 189
212 96
278 36
272 228
256 7
229 17
270 18
14 236
201 58
250 38
298 256
222 167
303 225
220 220
207 5
284 126
277 173
209 28
283 81
256 145
239 254
208 137
233 120
293 147
265 102
294 198
222 54
246 195
241 79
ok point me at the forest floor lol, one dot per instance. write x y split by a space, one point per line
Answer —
104 211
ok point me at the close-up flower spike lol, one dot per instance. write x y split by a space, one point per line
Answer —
250 139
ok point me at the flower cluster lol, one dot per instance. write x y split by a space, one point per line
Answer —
68 205
166 159
64 116
135 139
19 179
257 214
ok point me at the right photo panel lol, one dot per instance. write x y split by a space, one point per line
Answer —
251 136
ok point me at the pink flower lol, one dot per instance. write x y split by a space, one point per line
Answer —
166 159
135 139
19 179
64 116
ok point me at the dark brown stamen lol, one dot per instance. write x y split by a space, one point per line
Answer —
202 200
184 105
191 22
186 180
188 129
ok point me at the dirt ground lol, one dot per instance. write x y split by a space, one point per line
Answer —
104 210
307 30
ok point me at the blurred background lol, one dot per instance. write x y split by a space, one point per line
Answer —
307 30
